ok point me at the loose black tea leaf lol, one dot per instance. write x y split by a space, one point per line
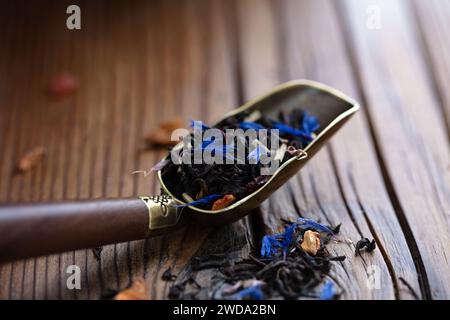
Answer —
168 276
365 244
284 269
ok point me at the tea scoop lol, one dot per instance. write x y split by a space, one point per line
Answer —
34 229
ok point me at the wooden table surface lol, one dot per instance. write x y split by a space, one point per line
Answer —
385 176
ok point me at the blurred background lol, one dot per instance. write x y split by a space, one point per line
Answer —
89 96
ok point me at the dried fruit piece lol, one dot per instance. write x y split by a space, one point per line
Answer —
162 136
311 242
30 159
223 202
137 291
62 85
159 137
172 125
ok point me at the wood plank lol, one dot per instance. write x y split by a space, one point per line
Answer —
207 92
409 130
358 176
158 60
303 40
434 28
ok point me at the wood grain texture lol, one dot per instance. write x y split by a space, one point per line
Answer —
409 130
433 29
384 176
351 153
333 188
94 138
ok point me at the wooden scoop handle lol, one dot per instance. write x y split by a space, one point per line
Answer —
28 230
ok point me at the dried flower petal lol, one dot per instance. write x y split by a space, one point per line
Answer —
245 125
309 124
253 292
30 159
269 245
202 201
172 125
306 223
137 291
328 291
162 136
159 137
62 85
199 124
285 129
229 289
223 202
311 242
288 237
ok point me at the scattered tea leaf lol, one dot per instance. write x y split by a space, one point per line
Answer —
168 276
365 244
284 272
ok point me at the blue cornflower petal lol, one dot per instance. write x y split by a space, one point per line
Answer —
224 151
305 223
206 143
309 123
328 291
212 146
253 292
204 200
198 124
285 129
250 125
288 236
269 243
